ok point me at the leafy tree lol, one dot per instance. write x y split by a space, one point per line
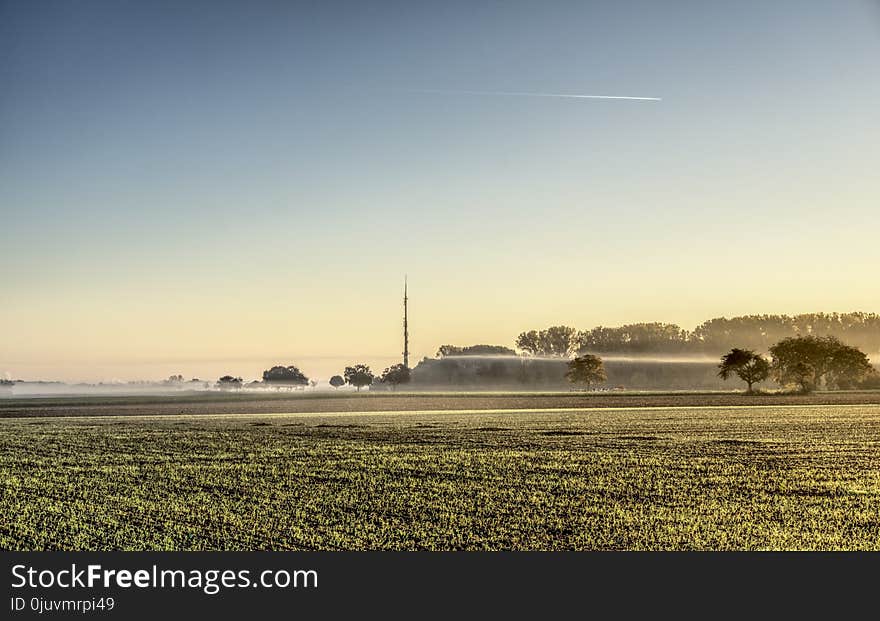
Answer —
336 381
554 341
359 375
395 375
849 367
529 342
586 369
227 382
746 365
285 376
559 341
826 357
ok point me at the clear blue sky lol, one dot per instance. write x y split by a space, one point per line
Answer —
187 185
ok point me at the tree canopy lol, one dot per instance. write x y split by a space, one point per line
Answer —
746 365
717 335
634 338
228 381
396 375
474 350
358 375
808 360
759 332
288 376
336 381
586 369
554 341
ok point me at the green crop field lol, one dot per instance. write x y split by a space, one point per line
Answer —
771 477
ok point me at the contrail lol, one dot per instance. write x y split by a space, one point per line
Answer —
526 94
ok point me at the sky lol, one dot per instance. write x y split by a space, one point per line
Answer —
215 187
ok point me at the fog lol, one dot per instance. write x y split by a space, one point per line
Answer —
37 389
669 358
506 372
456 372
113 377
25 389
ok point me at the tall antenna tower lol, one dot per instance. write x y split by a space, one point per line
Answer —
405 327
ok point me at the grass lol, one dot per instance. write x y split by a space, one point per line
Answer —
768 477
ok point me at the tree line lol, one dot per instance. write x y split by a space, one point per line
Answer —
804 350
803 362
752 332
358 375
474 350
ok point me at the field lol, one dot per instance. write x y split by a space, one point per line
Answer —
766 477
246 402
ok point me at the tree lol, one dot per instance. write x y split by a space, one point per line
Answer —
791 357
826 357
358 375
336 381
554 341
285 376
529 342
849 367
227 382
559 341
586 369
395 375
746 365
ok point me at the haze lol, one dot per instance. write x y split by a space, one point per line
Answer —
218 187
